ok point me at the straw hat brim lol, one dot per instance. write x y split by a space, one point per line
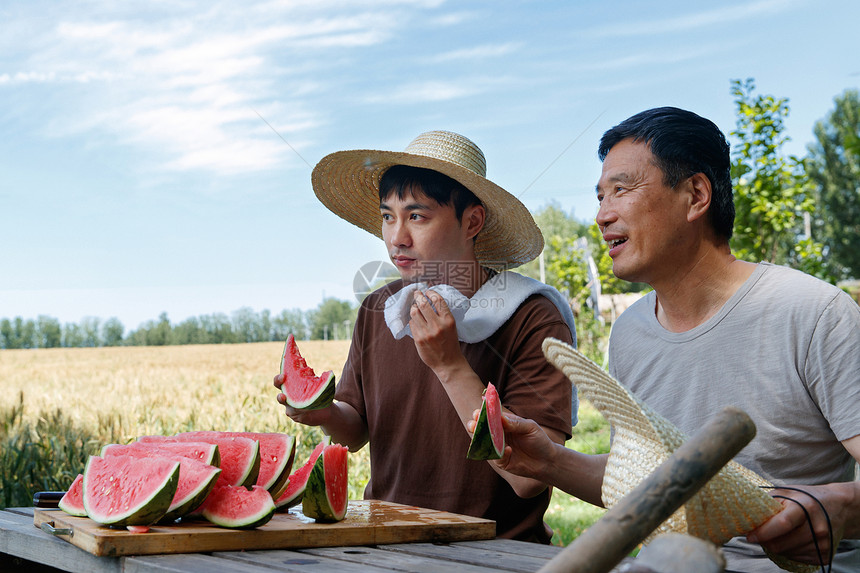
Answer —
733 503
347 182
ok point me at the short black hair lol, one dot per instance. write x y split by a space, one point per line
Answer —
402 179
683 144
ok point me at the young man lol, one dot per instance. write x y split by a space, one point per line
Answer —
415 372
717 331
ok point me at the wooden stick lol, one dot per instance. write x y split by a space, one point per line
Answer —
603 545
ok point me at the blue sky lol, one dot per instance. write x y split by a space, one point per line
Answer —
138 176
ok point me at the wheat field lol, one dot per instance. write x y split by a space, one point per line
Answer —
162 389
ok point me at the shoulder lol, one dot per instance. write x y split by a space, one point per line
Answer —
375 301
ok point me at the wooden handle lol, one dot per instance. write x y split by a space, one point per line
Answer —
603 545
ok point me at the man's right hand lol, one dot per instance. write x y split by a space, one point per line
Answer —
528 449
306 417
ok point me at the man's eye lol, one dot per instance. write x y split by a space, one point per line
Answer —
386 216
415 216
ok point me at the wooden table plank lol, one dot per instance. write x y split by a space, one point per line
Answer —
19 538
474 556
397 561
297 561
516 547
190 563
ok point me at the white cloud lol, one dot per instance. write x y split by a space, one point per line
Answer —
687 22
477 52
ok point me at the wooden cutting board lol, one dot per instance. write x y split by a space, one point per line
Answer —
367 522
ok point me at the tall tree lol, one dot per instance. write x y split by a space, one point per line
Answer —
289 321
112 331
49 332
772 190
332 320
833 164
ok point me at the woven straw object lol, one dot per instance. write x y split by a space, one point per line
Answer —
729 505
347 182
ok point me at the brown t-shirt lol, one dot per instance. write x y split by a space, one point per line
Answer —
418 444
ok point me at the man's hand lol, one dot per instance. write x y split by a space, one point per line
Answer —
788 533
528 449
435 332
306 417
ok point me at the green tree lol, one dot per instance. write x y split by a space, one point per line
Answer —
289 321
7 334
833 164
90 331
49 332
112 332
772 190
72 336
332 320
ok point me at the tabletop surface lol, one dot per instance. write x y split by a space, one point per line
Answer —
22 545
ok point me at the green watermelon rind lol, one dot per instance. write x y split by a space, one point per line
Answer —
276 480
284 503
324 395
192 498
482 446
250 521
315 501
73 500
147 512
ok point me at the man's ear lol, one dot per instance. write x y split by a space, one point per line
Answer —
473 220
700 193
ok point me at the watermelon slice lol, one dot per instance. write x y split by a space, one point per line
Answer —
73 500
277 452
122 490
239 508
488 441
199 451
240 457
298 480
196 479
326 495
304 390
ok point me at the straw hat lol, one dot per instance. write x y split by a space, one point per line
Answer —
347 182
731 504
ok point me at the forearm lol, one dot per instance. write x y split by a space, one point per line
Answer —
345 426
465 391
580 475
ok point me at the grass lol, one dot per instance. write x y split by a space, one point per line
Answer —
58 406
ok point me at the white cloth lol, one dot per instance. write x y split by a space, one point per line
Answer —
482 315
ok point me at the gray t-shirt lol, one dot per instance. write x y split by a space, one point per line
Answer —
785 348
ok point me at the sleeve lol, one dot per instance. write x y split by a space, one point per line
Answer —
349 388
536 389
832 367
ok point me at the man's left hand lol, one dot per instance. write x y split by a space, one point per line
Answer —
788 533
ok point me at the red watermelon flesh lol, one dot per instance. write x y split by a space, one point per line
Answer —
240 457
238 508
73 500
488 439
298 479
276 456
302 388
326 496
494 417
196 479
123 490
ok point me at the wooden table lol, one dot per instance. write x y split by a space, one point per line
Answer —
25 548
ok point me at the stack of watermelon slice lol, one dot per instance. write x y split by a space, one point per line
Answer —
232 479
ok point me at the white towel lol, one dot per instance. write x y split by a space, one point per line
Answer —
482 315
